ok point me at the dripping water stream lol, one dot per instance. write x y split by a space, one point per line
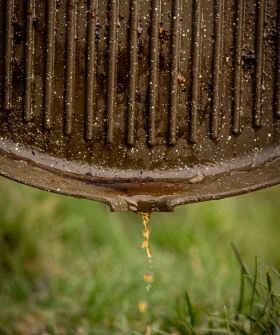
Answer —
148 276
146 245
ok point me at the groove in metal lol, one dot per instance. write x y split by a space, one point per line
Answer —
112 68
29 53
154 61
238 71
8 52
277 86
133 63
50 58
217 67
197 44
70 65
259 62
91 60
175 58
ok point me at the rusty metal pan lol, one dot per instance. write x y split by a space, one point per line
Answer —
143 105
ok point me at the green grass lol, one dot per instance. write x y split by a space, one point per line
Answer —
70 266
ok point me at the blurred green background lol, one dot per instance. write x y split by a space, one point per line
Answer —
70 266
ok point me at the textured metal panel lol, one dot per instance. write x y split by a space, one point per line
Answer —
165 92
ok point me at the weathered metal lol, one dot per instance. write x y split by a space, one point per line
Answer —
143 105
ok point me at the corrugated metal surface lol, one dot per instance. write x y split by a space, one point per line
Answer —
142 91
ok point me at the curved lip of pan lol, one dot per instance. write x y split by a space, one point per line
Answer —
146 193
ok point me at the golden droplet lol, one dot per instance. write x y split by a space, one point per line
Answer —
143 306
149 277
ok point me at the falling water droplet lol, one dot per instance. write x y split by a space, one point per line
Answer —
143 306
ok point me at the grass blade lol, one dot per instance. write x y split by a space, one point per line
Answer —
227 321
254 286
190 309
269 285
241 293
244 267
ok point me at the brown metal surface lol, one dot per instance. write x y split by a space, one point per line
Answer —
143 105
